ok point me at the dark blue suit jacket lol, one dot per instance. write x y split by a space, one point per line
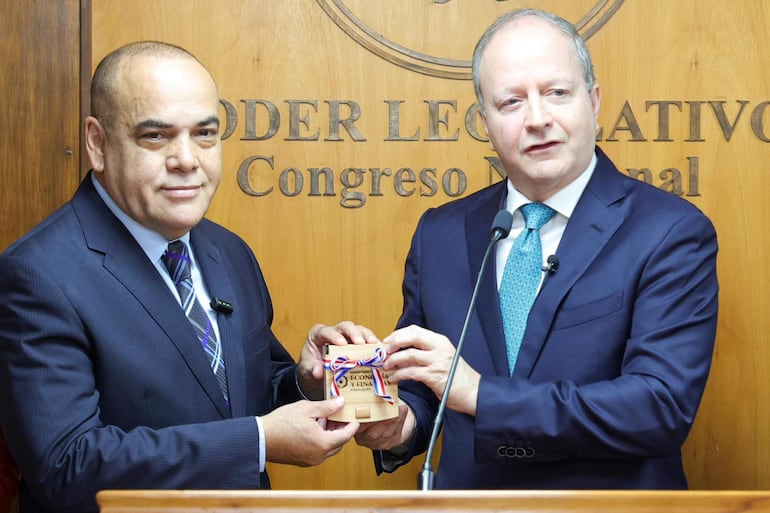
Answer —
616 352
102 380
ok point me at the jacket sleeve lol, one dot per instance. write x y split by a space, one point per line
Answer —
52 418
421 400
661 334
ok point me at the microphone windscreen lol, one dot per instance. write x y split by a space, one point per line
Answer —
502 223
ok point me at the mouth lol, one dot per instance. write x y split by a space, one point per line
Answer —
182 192
541 147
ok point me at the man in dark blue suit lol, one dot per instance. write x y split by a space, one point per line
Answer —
104 380
617 346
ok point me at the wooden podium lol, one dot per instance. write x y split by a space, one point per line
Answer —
266 501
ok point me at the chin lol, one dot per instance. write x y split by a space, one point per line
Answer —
548 173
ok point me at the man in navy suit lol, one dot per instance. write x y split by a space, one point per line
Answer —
618 342
103 378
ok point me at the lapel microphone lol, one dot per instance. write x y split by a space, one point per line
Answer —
549 268
551 265
501 226
222 306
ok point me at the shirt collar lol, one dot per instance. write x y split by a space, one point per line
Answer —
563 202
152 243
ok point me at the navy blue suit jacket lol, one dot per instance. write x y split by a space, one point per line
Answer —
102 379
616 352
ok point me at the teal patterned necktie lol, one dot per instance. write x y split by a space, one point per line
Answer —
521 278
177 261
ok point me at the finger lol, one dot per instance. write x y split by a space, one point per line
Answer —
409 357
386 429
342 333
410 373
369 336
325 408
340 437
383 436
348 431
318 370
321 334
357 334
367 428
333 425
372 431
315 330
411 336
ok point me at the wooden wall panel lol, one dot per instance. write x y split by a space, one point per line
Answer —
684 88
39 111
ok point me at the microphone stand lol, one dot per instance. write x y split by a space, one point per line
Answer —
500 228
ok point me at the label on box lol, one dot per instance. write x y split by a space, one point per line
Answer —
355 372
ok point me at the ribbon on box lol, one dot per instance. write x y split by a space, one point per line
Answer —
341 365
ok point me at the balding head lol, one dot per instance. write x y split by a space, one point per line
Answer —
568 29
104 85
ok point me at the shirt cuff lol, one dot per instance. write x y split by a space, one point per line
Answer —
393 458
262 455
299 388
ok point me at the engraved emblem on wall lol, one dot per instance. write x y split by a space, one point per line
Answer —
369 24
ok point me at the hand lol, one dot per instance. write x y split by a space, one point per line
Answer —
388 434
301 434
418 354
310 370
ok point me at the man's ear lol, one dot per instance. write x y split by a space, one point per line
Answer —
95 138
486 131
596 100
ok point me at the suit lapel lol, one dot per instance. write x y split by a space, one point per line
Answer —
215 274
124 259
488 304
597 216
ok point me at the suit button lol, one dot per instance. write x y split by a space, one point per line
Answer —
515 452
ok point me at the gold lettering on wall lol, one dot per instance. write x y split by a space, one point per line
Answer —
343 120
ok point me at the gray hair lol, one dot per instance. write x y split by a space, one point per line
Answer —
578 45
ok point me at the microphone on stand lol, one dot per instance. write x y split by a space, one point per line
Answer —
501 226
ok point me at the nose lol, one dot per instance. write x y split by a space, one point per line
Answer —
538 115
183 156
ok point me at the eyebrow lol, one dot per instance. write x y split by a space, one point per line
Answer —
211 120
150 124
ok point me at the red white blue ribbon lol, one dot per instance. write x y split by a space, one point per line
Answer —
341 365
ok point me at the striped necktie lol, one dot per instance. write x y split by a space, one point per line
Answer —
177 261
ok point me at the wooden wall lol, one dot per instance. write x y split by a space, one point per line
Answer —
685 106
40 109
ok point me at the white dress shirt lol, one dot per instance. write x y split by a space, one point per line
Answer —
563 202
